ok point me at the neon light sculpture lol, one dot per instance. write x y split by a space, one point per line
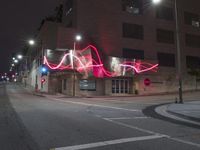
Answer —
84 63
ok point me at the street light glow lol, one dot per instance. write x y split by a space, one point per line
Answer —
19 56
156 1
13 58
78 37
16 61
31 42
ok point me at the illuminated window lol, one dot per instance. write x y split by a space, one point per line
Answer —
133 31
132 6
191 19
89 85
121 86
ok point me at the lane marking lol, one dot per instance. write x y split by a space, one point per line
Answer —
95 105
155 133
111 142
127 118
133 127
125 101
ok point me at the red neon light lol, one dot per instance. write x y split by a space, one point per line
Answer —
85 63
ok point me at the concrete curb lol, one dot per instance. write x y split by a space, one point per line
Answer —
162 114
184 116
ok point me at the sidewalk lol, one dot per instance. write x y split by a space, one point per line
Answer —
187 110
187 113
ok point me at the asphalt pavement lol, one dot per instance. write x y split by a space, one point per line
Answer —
105 123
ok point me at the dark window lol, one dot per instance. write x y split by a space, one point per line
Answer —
132 31
166 59
193 62
192 40
166 13
165 36
191 19
132 6
64 84
133 53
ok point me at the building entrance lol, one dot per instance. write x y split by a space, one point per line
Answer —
121 86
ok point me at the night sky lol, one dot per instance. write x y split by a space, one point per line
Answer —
19 22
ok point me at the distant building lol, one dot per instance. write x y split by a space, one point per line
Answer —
126 33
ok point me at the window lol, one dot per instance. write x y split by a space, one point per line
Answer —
163 12
121 86
64 84
132 31
165 36
166 59
132 6
193 62
191 19
89 85
133 53
192 40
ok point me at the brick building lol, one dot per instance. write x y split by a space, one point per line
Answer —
128 30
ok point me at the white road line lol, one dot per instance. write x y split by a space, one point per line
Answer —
95 105
127 118
133 127
155 133
111 142
127 102
185 142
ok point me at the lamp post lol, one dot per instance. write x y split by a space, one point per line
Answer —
178 53
77 38
177 32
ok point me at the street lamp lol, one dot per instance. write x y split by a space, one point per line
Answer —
179 73
19 56
77 38
156 1
31 42
16 61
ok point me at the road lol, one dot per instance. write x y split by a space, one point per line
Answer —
30 122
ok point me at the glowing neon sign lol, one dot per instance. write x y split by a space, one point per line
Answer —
83 62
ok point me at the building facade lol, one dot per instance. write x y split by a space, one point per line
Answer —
134 31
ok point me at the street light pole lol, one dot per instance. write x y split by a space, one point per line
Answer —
77 38
74 73
179 72
178 53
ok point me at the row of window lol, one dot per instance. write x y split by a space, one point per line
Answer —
164 59
162 12
121 86
163 36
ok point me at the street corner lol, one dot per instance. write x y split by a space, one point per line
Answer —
171 112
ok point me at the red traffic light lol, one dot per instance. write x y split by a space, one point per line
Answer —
43 80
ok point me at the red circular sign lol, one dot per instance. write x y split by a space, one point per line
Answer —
147 81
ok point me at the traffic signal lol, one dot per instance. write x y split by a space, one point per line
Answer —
44 70
43 80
